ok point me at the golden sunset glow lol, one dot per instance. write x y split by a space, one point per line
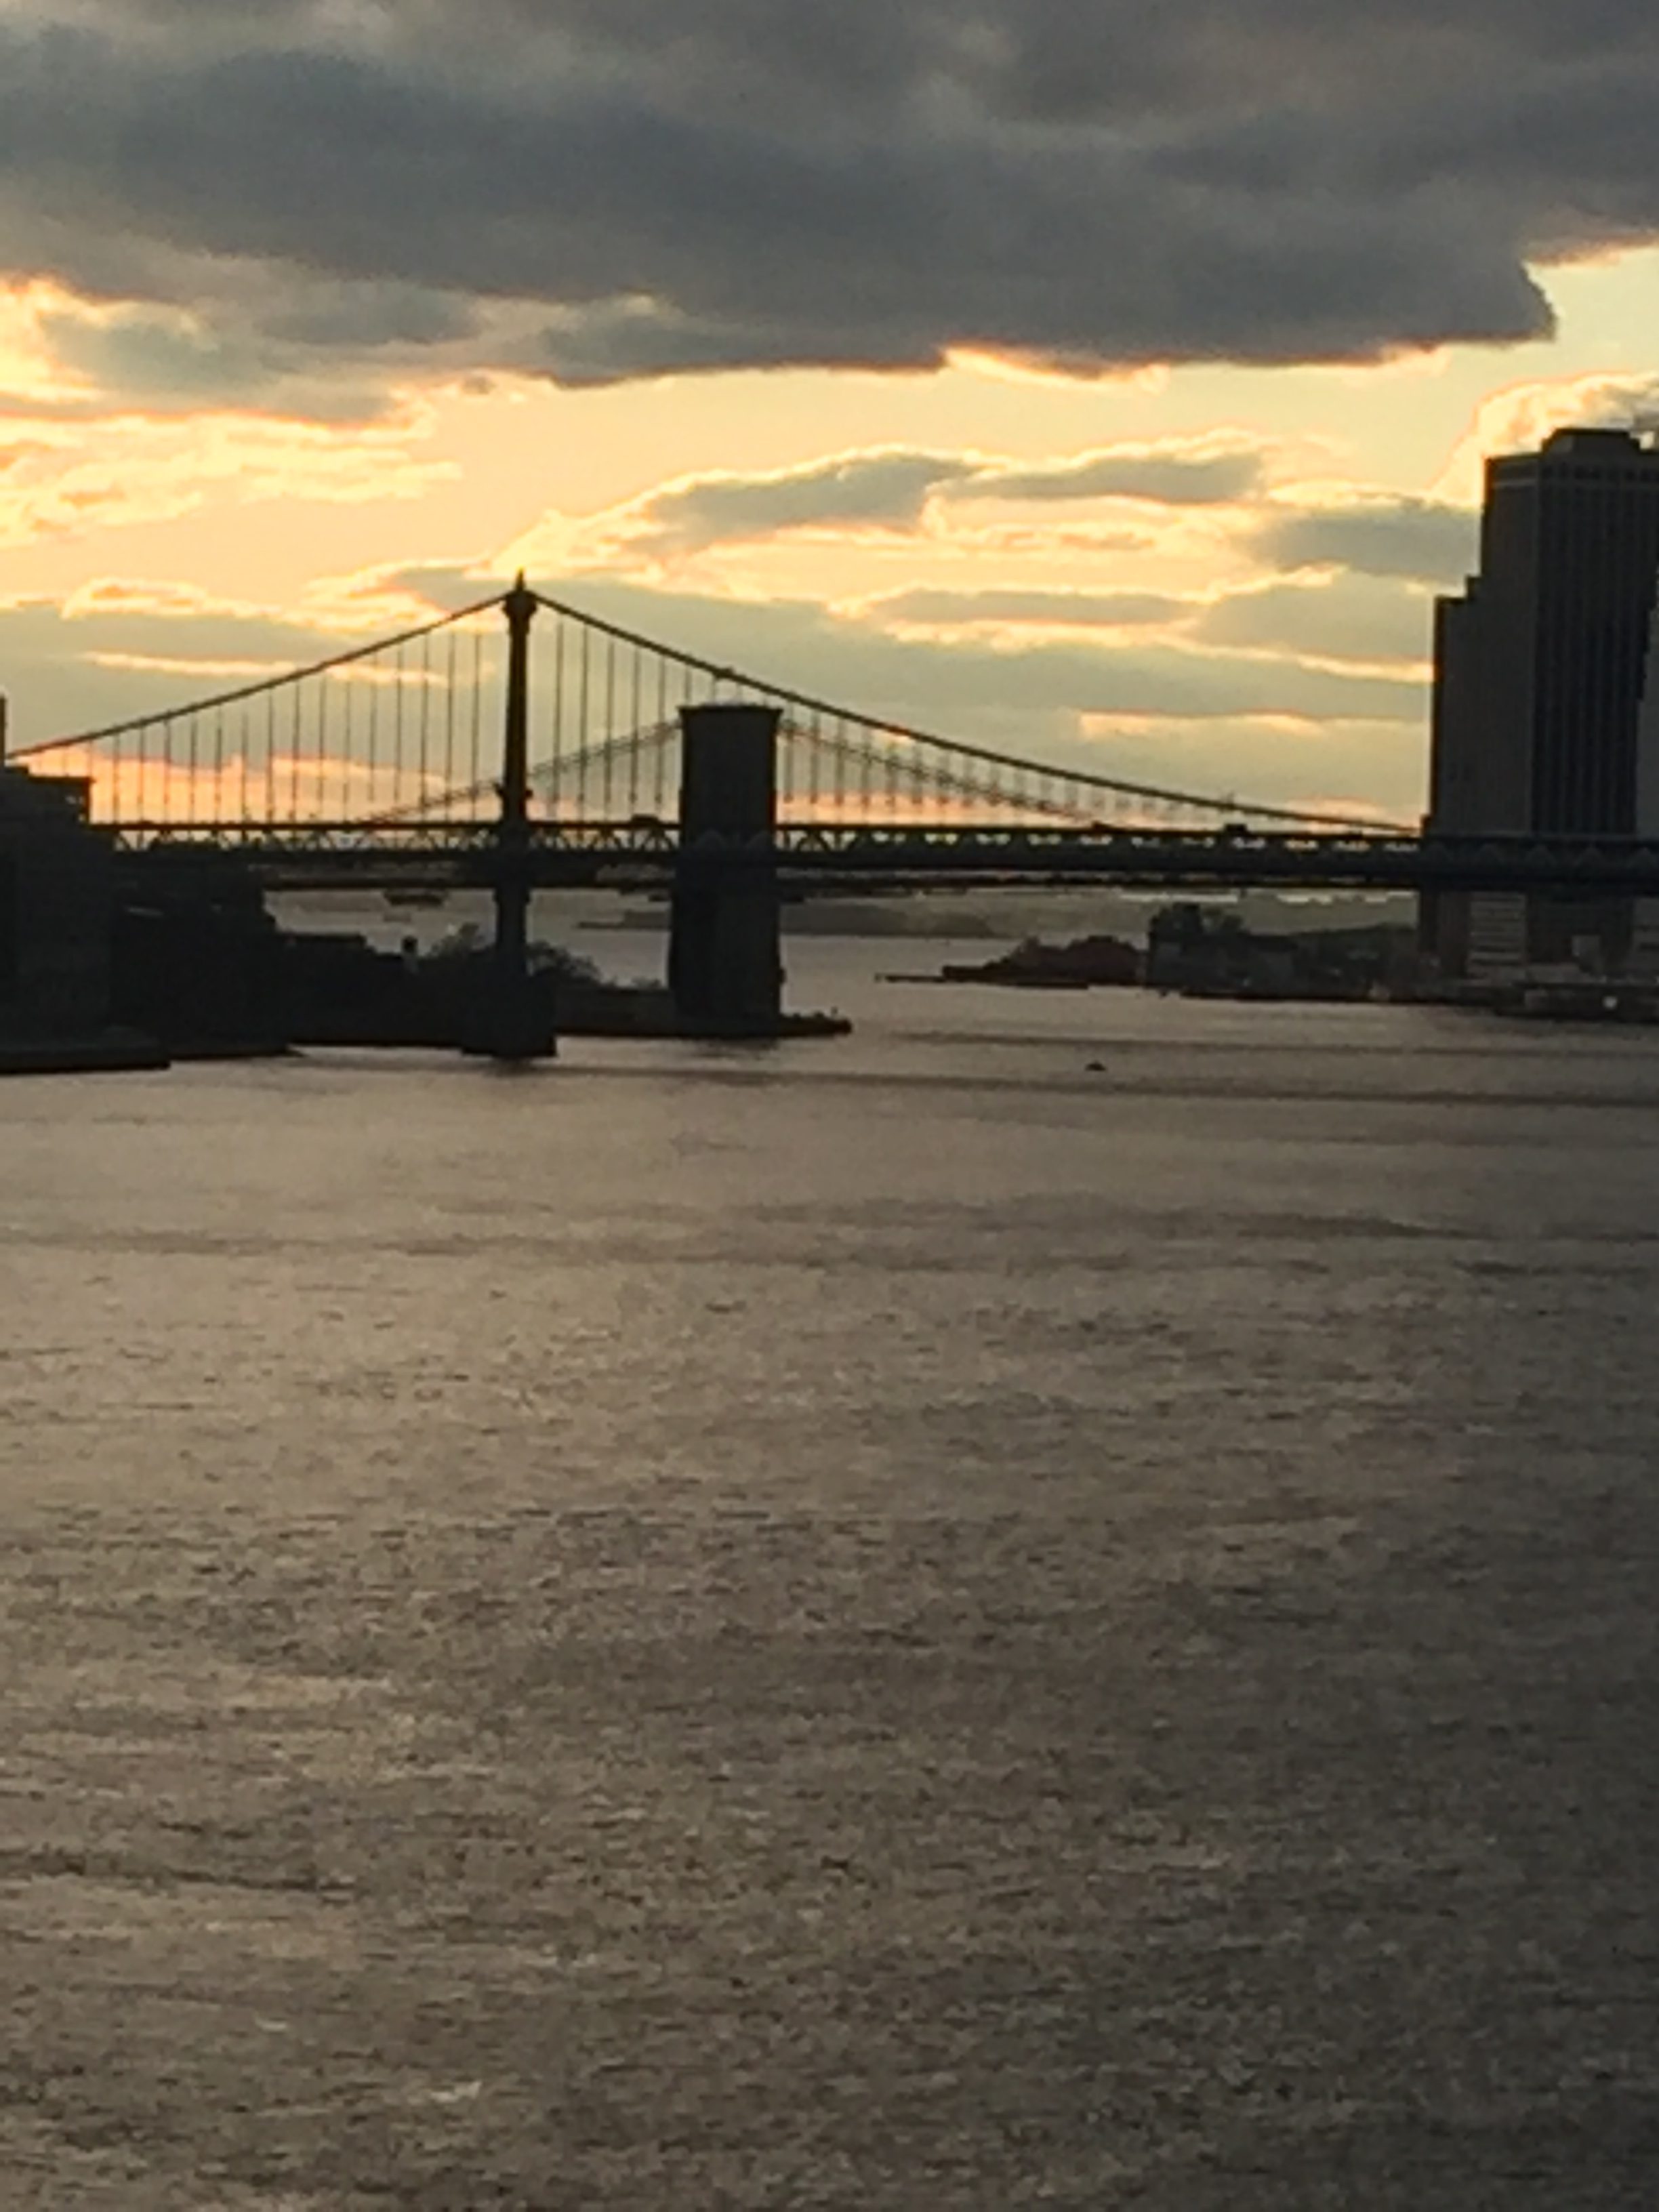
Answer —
221 453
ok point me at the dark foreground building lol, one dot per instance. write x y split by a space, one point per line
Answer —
1541 667
55 905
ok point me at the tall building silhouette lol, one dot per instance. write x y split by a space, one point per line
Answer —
1541 666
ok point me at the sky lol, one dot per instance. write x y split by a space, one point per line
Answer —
1109 384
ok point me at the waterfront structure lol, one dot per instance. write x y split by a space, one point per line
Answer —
55 914
1215 954
1543 725
724 960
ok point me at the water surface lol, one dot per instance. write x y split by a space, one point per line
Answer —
896 1624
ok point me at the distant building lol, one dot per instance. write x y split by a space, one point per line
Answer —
1541 727
1210 953
55 907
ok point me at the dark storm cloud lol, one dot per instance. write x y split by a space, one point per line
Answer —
165 355
141 351
657 184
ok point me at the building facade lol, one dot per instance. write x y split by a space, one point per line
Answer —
1544 724
55 912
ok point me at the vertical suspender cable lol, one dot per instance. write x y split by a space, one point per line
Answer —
372 750
425 717
294 758
349 770
581 719
399 757
475 765
664 739
449 709
320 805
609 727
633 713
560 803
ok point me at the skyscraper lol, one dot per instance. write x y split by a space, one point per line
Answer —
1541 669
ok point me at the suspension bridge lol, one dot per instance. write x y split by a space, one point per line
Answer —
520 743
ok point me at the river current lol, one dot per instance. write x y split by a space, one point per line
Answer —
1051 1604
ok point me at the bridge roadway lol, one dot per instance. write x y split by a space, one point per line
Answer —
644 850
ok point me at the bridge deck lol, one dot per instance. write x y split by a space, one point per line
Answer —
576 855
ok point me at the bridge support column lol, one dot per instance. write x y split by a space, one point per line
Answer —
725 956
514 1021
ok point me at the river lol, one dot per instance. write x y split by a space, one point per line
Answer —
1051 1604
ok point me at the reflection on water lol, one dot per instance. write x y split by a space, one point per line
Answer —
891 1624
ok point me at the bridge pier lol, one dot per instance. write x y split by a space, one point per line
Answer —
724 955
514 1020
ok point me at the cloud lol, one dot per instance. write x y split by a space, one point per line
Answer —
64 481
894 490
1382 535
167 356
111 597
603 189
143 352
1197 474
120 647
1346 616
1016 609
1519 419
887 488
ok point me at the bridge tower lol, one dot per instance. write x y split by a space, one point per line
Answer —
725 956
514 1020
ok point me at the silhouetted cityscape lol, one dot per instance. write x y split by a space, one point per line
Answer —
134 864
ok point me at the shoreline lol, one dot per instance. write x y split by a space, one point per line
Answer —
120 1054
